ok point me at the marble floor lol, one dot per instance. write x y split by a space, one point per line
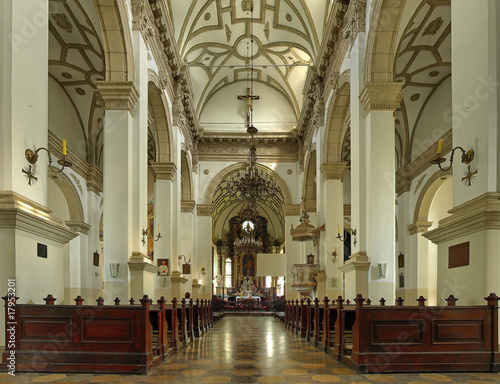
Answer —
249 349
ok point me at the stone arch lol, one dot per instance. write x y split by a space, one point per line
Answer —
224 173
159 111
72 197
186 184
116 39
423 203
385 18
310 177
336 116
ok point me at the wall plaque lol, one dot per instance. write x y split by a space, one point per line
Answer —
458 255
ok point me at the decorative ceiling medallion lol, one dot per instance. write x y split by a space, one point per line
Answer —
469 176
80 91
398 121
63 22
206 171
207 16
433 73
247 5
415 97
66 75
289 171
288 17
433 27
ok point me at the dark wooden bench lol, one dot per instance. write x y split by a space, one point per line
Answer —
83 338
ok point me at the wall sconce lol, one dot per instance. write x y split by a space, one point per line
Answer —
32 158
202 272
382 270
145 234
334 254
351 231
186 260
114 269
467 157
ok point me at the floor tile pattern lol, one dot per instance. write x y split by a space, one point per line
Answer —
243 349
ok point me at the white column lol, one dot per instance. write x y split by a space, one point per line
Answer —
475 81
118 100
186 238
293 249
23 98
333 187
163 185
204 248
140 146
476 105
380 101
92 287
358 146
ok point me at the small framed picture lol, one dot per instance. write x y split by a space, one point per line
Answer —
186 269
96 259
401 260
163 267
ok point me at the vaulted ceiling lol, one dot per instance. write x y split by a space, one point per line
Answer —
221 40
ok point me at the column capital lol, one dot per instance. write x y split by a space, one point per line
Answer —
140 262
403 180
334 171
163 171
357 262
419 227
291 210
117 95
204 209
78 226
187 206
381 96
94 180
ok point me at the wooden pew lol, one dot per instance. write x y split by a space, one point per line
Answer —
83 338
318 322
310 320
172 331
425 339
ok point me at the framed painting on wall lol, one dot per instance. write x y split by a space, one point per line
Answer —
163 269
186 269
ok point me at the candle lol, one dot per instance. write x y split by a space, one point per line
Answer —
189 257
158 228
64 147
440 146
338 229
335 249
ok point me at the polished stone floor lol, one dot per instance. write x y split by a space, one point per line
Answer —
249 349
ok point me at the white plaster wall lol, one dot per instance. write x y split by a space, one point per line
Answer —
36 276
56 201
63 120
435 120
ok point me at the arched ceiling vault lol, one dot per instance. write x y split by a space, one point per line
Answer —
220 39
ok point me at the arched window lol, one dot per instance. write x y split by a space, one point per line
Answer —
228 267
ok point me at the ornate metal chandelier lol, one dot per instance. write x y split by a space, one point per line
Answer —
248 242
252 184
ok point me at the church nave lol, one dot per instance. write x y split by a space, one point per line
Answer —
253 349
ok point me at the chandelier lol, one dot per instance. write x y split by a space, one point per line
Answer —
248 242
251 184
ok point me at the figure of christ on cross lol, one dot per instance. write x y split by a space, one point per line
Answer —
248 97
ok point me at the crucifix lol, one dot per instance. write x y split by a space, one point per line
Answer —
248 97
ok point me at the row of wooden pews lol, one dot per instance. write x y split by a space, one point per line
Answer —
118 338
380 338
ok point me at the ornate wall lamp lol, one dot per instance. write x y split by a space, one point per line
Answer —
467 157
145 234
351 231
334 254
32 157
202 273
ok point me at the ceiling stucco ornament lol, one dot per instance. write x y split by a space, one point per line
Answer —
247 5
63 22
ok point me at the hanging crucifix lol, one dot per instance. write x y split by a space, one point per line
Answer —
248 97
